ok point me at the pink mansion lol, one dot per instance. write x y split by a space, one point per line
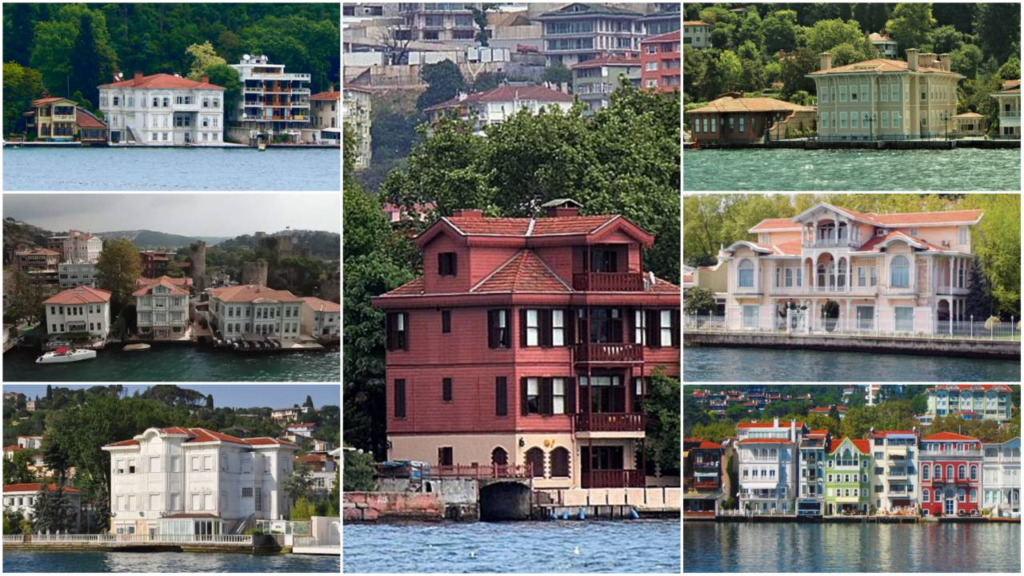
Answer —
881 272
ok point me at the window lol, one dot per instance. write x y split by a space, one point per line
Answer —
842 119
853 120
498 329
535 461
208 463
446 390
925 495
961 495
559 463
853 93
445 457
750 314
949 472
974 472
961 472
789 277
974 495
501 396
963 235
120 467
899 272
532 327
131 466
558 396
446 321
154 464
666 328
746 274
558 327
924 472
532 396
447 264
400 398
895 118
397 333
639 327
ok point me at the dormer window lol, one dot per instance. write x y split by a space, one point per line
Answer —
880 232
603 260
447 264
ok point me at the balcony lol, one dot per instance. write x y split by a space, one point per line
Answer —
609 353
613 479
705 484
944 453
610 422
609 282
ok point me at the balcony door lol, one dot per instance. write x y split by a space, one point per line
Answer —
605 325
607 395
601 458
603 259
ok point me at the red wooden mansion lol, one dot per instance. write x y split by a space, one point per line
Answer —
527 342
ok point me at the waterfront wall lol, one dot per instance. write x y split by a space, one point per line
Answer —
377 506
861 343
869 145
660 499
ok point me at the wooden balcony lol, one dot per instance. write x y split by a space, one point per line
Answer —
613 479
609 282
705 484
610 422
609 353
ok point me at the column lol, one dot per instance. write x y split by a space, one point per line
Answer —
847 318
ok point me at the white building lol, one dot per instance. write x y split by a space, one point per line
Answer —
894 456
250 310
77 247
356 107
304 429
163 110
1001 476
325 117
323 468
76 274
161 306
321 318
273 102
768 465
1009 109
76 310
196 481
886 46
498 105
697 34
31 442
811 494
21 498
285 414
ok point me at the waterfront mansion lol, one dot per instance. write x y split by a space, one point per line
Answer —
249 310
161 307
163 110
882 99
195 481
835 269
79 310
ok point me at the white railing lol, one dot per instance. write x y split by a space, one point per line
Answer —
940 453
309 541
943 329
14 538
147 538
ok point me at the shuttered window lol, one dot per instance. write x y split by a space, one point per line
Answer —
501 396
447 264
498 329
397 331
446 389
399 398
446 321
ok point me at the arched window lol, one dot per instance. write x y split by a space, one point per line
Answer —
560 463
842 273
949 472
974 494
961 472
535 458
821 275
924 472
974 472
499 456
746 274
899 272
961 495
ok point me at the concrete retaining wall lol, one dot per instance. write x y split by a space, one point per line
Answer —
374 506
643 499
918 346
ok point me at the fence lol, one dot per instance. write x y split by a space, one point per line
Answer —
944 329
14 538
309 541
144 538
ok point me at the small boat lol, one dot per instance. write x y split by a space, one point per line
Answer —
62 355
262 146
134 347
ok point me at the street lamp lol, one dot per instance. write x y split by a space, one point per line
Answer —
944 115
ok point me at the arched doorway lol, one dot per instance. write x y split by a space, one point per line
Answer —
829 315
560 463
499 456
535 459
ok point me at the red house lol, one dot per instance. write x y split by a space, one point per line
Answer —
951 468
527 341
660 58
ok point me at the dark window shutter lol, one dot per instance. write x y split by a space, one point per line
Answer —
446 321
570 396
389 330
399 398
440 264
653 329
492 328
675 328
547 400
569 317
522 327
501 396
524 404
454 264
544 321
446 389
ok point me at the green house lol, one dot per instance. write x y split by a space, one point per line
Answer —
848 477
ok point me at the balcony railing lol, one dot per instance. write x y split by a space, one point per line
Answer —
609 353
937 453
609 282
610 422
478 471
243 539
613 479
705 484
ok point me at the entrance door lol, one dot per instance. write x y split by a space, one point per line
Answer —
950 507
152 532
865 318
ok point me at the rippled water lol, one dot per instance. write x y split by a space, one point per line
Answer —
720 364
849 170
48 562
178 363
160 169
621 546
800 547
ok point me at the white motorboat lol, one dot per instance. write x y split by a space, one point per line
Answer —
61 355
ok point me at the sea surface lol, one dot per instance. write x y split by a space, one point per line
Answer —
173 363
544 547
52 561
721 364
850 170
168 169
803 547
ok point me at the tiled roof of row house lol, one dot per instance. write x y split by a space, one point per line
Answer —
949 436
321 305
166 81
879 65
890 220
204 435
506 94
704 444
1010 87
176 286
767 425
666 37
607 60
329 95
253 293
85 119
80 295
35 487
735 103
48 100
861 444
973 387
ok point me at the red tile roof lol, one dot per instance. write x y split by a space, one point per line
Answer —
177 286
523 272
949 436
12 448
36 486
168 81
767 425
666 37
204 435
704 444
302 425
331 94
879 65
607 60
775 224
862 445
890 220
321 305
269 442
744 105
311 458
79 295
827 409
85 119
816 433
414 287
541 94
872 244
765 441
49 100
886 433
253 293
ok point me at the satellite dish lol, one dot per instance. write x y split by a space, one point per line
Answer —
245 57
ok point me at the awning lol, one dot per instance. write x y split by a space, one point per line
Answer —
897 451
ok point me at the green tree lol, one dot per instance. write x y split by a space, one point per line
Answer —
117 269
480 19
226 77
72 51
21 86
978 304
359 471
751 30
823 422
25 301
736 412
302 510
843 54
209 401
780 32
827 34
795 69
716 431
17 471
299 484
910 25
730 71
699 301
1011 69
661 405
557 74
998 30
52 510
966 60
444 82
946 39
203 57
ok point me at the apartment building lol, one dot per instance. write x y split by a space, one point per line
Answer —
1009 109
355 109
274 103
79 310
848 477
162 308
895 460
39 264
163 110
76 274
815 446
249 310
194 481
594 80
768 459
697 34
703 474
439 21
529 342
665 18
660 63
984 401
76 246
496 106
581 31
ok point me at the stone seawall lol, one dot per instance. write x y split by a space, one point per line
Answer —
968 348
391 506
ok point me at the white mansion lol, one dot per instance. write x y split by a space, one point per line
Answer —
248 309
77 310
163 110
161 306
196 481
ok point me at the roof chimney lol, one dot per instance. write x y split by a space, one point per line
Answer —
562 207
912 58
138 75
826 61
775 423
944 62
468 213
206 79
792 430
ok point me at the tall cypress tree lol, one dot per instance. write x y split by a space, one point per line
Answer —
85 61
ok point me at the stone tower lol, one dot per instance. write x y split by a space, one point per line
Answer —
197 254
254 273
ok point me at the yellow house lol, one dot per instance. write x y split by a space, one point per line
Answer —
54 118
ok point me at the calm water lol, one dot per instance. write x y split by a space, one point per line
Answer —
621 546
719 364
178 363
842 170
48 562
171 169
793 547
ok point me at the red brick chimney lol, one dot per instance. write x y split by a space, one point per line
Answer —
138 75
206 79
562 207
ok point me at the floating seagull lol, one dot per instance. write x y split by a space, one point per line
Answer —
576 551
472 553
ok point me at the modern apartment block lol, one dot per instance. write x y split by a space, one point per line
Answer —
883 99
39 264
895 460
163 110
73 274
811 494
848 477
1001 476
594 80
905 273
1009 109
581 31
273 103
768 460
985 401
194 481
356 106
660 58
161 306
951 473
243 311
530 342
665 18
444 21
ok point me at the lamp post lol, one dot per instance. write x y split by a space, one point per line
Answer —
944 115
871 119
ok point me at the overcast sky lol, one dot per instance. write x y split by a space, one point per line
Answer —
186 214
227 395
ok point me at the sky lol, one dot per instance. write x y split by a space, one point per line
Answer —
227 395
175 213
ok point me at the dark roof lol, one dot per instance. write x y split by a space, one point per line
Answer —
578 8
